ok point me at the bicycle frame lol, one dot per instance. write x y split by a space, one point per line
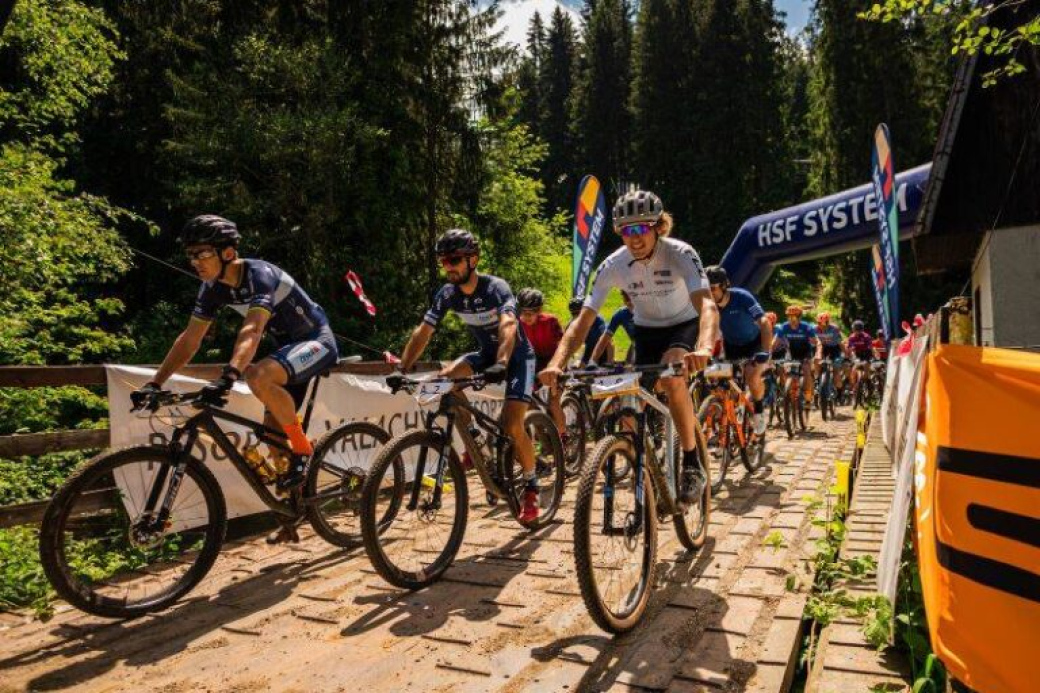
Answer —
186 435
731 395
448 408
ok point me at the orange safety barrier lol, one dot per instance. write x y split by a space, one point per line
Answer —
977 494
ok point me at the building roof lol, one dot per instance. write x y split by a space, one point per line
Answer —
986 168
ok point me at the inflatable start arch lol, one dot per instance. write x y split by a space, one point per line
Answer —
830 225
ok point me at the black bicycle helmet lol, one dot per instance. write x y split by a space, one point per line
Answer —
209 229
456 241
717 275
575 304
530 299
638 206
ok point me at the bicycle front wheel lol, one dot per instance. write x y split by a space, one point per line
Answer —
691 524
413 527
712 421
336 476
615 537
105 554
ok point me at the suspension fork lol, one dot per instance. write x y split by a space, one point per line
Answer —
181 451
420 464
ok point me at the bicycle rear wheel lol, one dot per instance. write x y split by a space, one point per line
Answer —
103 553
418 543
615 542
549 465
792 405
574 434
336 476
691 525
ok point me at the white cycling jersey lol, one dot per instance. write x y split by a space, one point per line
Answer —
659 287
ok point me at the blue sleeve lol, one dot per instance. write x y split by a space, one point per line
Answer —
754 309
503 295
206 304
263 280
810 332
441 304
617 320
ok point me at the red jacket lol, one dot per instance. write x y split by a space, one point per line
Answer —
544 335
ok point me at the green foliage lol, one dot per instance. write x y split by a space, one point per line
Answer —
22 582
37 478
971 33
774 540
63 54
50 408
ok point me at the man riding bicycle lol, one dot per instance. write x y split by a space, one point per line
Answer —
801 341
860 347
830 345
271 302
746 334
675 317
486 304
543 331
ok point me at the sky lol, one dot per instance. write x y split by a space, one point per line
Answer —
797 13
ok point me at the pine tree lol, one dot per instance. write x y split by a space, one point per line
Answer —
602 119
557 90
528 79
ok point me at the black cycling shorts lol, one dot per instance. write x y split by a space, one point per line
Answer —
832 352
652 342
735 352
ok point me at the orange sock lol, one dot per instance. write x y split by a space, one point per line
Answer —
298 439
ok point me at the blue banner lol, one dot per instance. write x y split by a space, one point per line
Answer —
883 178
834 224
590 216
877 280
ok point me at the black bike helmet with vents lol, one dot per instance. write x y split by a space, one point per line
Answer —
575 304
456 242
530 299
209 229
638 206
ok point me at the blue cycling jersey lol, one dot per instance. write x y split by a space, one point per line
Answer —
480 310
622 318
779 342
739 319
829 336
294 316
798 338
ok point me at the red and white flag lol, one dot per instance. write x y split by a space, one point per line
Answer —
359 291
389 357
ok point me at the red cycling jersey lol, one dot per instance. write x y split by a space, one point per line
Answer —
545 335
881 348
860 343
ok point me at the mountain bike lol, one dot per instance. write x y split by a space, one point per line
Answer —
727 419
826 393
775 387
135 529
793 398
413 525
615 519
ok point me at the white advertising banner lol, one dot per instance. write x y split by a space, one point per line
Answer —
888 400
341 398
908 391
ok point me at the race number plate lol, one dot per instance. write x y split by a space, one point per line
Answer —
615 385
719 371
432 389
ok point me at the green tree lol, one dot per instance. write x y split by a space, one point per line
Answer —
558 70
602 119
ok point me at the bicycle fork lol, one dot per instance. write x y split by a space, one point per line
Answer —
420 466
160 521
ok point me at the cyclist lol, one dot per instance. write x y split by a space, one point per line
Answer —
859 346
801 341
880 346
486 305
272 303
675 318
779 343
621 319
544 333
829 345
746 334
599 326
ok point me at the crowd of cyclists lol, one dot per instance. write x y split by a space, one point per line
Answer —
683 320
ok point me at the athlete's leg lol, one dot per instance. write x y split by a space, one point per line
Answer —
680 404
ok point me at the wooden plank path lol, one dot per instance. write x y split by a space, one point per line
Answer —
507 617
846 662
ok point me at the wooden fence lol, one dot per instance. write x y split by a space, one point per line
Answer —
20 444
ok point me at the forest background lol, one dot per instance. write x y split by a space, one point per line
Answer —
348 135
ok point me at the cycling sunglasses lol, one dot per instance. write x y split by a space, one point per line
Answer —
451 260
205 254
630 230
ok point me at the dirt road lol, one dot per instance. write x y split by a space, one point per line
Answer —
507 617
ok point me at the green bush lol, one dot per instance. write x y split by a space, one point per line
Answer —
22 582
